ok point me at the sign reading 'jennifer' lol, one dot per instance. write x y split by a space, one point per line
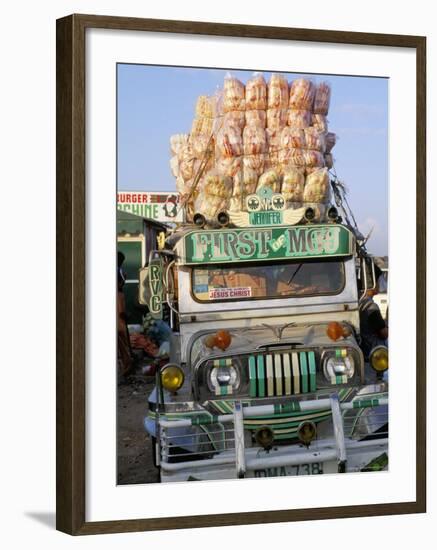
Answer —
264 244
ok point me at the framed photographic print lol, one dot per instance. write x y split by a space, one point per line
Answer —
241 237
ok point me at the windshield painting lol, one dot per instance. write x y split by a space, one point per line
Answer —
219 283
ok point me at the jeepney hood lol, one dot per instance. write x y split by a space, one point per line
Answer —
249 339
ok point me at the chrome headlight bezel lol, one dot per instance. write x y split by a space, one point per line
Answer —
208 373
339 365
223 375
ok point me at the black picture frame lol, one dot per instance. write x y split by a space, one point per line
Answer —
71 248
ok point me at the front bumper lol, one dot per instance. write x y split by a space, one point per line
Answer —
219 446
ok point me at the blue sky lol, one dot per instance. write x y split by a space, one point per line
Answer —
156 102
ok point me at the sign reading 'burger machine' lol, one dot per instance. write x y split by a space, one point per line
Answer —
264 244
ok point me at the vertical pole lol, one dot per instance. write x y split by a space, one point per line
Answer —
240 459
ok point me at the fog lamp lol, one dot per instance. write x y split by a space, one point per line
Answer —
199 220
264 436
332 214
310 214
378 359
306 432
172 377
223 219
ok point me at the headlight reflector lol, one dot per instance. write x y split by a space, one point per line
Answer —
172 377
338 366
378 359
224 377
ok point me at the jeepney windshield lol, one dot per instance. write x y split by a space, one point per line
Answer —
265 281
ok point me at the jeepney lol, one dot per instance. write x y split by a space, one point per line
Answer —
266 375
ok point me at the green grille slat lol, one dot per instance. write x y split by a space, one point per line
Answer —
298 373
252 376
261 373
303 371
312 369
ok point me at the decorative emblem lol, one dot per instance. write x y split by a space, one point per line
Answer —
253 203
278 202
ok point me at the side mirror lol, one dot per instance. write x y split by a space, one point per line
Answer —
367 275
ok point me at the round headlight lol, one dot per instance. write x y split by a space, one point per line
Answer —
339 364
172 377
223 376
378 359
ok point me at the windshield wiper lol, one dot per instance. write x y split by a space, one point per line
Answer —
294 274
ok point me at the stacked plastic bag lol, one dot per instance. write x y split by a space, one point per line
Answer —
251 136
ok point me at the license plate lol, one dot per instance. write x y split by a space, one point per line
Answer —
314 468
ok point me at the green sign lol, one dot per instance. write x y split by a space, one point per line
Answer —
265 244
155 285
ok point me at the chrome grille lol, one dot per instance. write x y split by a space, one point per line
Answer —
282 373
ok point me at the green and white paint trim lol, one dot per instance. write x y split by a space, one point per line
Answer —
284 413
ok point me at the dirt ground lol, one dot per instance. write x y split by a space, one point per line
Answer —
134 453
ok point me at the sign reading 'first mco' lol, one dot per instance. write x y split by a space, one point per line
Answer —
265 244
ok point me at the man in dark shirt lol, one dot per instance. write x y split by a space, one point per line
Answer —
123 343
374 331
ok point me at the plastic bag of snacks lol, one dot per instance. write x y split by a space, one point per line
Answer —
330 141
256 92
296 157
177 141
322 98
273 138
255 163
292 138
254 140
245 183
313 158
256 117
329 161
196 126
273 148
314 139
310 169
277 92
229 142
233 94
188 168
237 119
200 144
183 187
207 124
293 183
205 107
302 94
317 187
228 166
276 118
217 185
271 180
320 122
174 166
210 205
298 118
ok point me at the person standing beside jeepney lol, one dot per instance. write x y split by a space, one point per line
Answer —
124 354
373 328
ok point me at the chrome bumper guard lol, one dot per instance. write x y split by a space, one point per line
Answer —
235 455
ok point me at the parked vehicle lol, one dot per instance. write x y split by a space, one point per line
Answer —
266 376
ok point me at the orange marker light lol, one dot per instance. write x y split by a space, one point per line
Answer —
221 339
334 331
